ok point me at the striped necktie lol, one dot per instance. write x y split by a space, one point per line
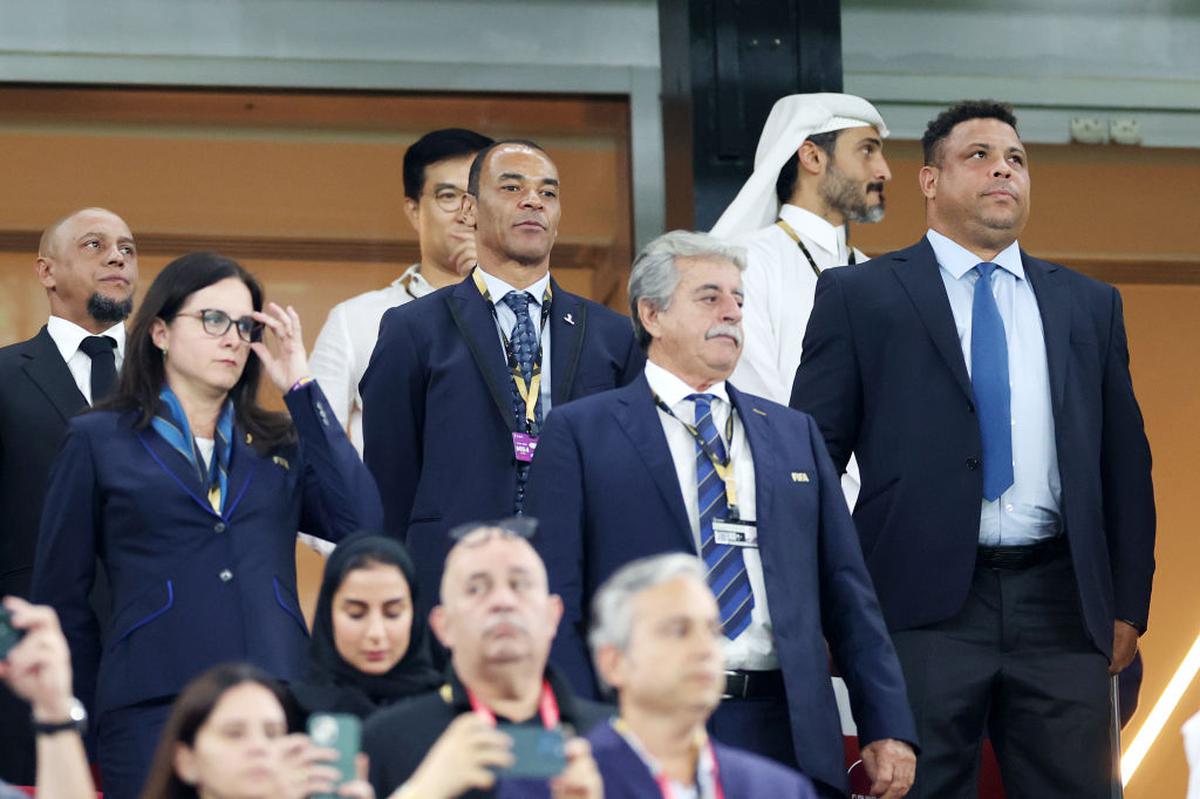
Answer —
724 563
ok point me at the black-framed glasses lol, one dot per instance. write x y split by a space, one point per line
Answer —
217 323
476 533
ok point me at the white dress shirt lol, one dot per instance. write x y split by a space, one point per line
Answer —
68 336
497 288
344 345
1030 510
780 285
754 649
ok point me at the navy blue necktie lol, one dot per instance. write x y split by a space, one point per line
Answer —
524 343
990 383
726 568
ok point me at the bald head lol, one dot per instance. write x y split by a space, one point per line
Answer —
87 261
473 549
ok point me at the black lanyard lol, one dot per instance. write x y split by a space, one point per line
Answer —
723 468
529 394
794 236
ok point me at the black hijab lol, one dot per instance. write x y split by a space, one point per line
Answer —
332 684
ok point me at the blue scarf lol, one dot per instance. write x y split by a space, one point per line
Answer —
171 423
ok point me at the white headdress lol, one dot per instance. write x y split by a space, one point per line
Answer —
793 119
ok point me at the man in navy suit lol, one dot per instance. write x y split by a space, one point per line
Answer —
461 379
87 262
656 640
680 461
1006 511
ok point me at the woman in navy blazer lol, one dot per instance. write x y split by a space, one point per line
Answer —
190 495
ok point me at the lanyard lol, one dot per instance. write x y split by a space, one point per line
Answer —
786 228
708 774
724 469
547 707
529 394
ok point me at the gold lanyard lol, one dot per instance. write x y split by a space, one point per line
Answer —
724 469
529 394
794 236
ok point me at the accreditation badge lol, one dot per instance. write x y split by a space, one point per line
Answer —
735 533
524 445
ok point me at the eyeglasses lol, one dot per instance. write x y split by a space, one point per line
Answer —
448 199
475 533
217 323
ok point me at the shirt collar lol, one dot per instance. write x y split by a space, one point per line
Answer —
498 288
830 238
68 336
958 260
414 282
672 390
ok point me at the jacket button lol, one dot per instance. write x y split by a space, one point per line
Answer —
219 527
972 463
225 575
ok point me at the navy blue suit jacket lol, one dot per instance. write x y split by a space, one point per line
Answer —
884 376
438 410
605 489
126 495
743 775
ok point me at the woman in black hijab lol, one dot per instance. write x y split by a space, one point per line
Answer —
368 649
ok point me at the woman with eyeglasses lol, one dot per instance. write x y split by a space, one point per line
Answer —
189 494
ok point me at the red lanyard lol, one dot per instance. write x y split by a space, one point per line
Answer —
708 773
547 707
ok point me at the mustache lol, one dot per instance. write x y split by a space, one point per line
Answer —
875 187
504 620
733 331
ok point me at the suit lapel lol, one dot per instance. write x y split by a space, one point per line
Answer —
566 342
175 465
917 270
758 436
48 371
1054 305
478 328
639 419
243 463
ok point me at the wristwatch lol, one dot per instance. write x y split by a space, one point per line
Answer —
76 720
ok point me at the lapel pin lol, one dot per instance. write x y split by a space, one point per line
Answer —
799 477
760 413
283 462
569 320
249 439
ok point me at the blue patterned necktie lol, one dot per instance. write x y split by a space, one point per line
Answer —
990 383
524 343
726 568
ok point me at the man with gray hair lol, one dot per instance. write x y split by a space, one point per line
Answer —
681 461
656 640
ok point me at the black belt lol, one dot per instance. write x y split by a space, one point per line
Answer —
753 685
1022 557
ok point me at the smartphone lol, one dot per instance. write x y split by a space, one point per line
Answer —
9 635
538 753
341 732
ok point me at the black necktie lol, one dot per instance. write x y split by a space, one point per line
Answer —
103 352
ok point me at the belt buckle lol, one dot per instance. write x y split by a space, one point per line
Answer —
737 685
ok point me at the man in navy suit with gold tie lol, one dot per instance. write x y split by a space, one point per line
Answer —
681 461
462 379
1006 510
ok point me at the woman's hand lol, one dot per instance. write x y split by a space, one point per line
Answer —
290 363
302 768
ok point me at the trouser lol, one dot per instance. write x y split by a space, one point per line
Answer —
126 741
1016 660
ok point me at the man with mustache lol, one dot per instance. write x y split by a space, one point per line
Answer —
497 618
87 262
819 166
1007 510
681 461
462 379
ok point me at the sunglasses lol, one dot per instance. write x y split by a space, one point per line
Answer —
217 323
